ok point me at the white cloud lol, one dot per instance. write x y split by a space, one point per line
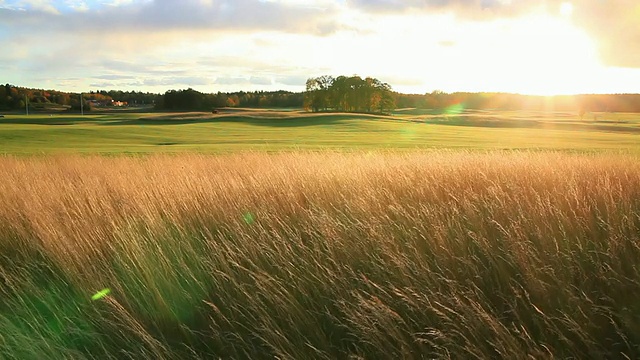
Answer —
231 80
118 2
37 5
77 5
170 16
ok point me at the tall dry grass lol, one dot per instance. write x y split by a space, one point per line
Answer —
369 255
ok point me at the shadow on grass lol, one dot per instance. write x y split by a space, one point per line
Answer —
58 120
491 122
305 120
314 120
51 121
266 119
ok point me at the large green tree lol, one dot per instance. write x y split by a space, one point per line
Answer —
352 94
317 96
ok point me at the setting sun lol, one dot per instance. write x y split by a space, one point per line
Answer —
551 56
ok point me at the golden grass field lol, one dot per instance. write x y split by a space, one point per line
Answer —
363 255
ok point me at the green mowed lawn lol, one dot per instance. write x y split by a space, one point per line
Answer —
251 130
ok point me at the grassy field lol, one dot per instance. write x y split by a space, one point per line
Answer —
420 234
262 130
327 255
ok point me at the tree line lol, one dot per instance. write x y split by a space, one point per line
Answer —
323 93
439 100
191 99
353 94
17 98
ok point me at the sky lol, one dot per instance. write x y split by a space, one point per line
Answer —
541 47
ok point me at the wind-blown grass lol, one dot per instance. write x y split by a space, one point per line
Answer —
365 255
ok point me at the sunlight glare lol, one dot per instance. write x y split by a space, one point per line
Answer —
552 56
566 9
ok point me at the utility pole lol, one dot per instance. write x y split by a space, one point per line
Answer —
81 105
26 103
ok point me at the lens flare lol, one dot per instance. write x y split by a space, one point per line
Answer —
409 132
248 218
100 294
454 109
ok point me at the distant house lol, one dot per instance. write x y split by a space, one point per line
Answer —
101 103
94 103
